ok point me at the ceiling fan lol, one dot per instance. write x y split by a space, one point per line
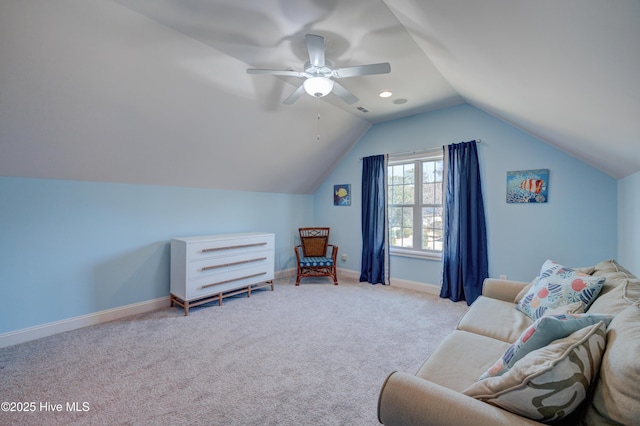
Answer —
319 73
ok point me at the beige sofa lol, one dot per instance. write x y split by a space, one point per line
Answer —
435 395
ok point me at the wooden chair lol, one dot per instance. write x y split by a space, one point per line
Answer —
311 254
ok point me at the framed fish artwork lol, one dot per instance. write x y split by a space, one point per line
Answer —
528 186
342 195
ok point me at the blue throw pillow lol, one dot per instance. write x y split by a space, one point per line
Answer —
539 334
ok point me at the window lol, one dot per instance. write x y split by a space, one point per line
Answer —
415 205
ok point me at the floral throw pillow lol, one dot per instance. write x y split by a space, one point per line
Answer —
558 285
541 333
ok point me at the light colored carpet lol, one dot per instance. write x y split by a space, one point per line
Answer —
310 355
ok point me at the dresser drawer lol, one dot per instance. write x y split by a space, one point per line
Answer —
227 280
210 249
230 262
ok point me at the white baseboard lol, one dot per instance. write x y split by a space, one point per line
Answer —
348 273
44 330
286 273
414 285
397 282
49 329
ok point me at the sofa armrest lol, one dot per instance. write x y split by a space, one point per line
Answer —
409 400
506 290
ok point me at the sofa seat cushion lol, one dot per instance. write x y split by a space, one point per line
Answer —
460 359
615 400
494 318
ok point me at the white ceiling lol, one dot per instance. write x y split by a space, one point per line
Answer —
155 91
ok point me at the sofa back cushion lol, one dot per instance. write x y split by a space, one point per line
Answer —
615 400
608 266
621 288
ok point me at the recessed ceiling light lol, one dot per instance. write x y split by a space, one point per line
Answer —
400 101
385 94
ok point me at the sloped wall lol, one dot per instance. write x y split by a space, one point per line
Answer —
72 248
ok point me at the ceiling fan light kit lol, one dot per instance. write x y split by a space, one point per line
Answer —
319 74
318 86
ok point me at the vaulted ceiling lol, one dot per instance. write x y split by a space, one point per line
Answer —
156 91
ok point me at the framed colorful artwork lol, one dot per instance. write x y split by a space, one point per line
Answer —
342 195
528 186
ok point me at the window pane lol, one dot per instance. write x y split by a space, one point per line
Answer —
432 228
428 171
407 227
432 182
428 193
397 172
438 170
393 197
437 190
409 173
395 217
401 226
395 225
407 217
438 212
408 194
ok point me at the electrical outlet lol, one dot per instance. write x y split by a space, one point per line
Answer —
344 257
503 277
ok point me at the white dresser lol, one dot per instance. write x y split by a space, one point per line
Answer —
212 267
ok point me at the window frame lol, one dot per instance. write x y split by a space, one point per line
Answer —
418 159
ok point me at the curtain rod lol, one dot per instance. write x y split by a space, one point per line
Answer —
426 151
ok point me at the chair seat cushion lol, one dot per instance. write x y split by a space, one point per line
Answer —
316 261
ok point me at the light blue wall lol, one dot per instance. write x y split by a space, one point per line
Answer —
628 225
577 226
71 248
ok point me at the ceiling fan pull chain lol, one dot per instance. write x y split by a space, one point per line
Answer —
318 109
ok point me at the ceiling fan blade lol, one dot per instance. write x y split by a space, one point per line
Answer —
315 47
287 73
294 96
344 94
371 69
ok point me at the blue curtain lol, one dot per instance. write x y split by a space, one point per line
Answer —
465 259
375 264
